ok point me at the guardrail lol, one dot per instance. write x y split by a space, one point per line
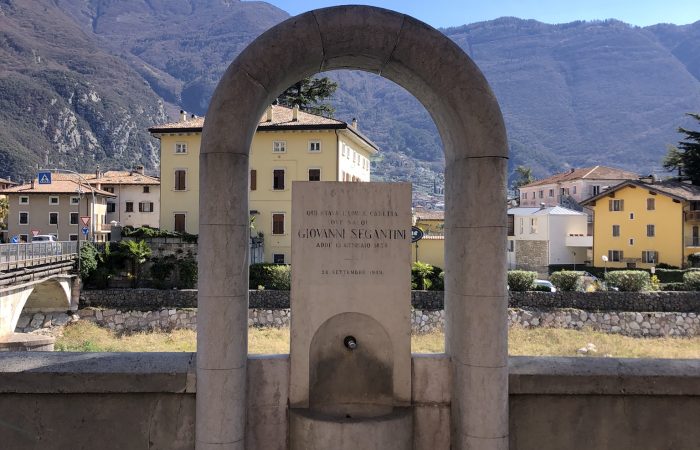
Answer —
17 256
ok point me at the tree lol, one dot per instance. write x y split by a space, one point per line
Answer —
523 176
686 156
138 252
308 95
4 210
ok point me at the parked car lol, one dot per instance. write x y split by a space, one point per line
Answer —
546 283
43 238
51 246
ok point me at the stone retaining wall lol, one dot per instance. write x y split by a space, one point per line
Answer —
422 321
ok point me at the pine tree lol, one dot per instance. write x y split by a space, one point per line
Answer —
308 94
690 151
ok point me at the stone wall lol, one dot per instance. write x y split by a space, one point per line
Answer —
532 255
148 400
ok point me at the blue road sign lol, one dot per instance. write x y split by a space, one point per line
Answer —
14 239
416 234
85 230
44 177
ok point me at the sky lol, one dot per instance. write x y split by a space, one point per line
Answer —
449 13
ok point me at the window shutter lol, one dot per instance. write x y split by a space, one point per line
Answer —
253 179
622 205
656 257
622 255
140 207
610 205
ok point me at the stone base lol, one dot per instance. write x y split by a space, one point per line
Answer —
313 431
24 342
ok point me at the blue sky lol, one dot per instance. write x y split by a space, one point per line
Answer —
446 13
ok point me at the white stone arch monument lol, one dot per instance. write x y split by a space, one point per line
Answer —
457 96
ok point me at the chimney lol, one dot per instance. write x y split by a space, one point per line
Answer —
183 115
295 113
98 174
268 113
572 170
543 205
139 169
354 123
32 183
193 116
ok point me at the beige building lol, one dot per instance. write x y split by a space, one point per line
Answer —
137 196
289 145
572 187
56 209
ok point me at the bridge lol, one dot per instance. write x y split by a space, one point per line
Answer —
35 277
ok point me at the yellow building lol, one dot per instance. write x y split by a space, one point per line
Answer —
641 224
431 222
289 145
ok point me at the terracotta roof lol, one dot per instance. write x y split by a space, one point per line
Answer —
429 215
674 189
4 181
59 185
588 173
122 177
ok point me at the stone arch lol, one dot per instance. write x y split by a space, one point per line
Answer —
47 295
457 96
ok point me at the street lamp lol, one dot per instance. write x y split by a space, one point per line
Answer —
605 263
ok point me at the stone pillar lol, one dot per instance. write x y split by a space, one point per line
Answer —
476 301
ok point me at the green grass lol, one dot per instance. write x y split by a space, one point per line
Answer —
84 336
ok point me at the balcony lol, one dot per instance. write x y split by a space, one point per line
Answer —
692 242
578 240
693 216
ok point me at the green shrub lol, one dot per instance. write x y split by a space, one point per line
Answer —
421 276
270 276
538 288
88 260
161 270
674 287
691 280
566 280
187 272
521 280
628 280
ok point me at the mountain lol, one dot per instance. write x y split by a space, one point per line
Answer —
575 94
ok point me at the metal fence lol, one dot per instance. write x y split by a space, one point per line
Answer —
16 256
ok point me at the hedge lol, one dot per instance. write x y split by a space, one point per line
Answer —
691 280
270 276
566 280
521 280
628 280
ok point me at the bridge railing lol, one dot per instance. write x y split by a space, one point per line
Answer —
16 256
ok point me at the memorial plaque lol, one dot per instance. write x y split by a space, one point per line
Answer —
351 281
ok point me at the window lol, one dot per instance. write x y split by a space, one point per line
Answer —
551 192
53 218
631 216
146 189
651 231
129 207
75 200
24 218
342 151
523 195
533 226
278 179
631 241
74 217
110 189
541 194
650 256
616 205
314 146
314 174
595 190
253 179
573 190
179 222
278 258
180 180
72 237
279 146
111 207
23 200
533 194
651 204
278 223
616 230
23 238
615 255
511 246
53 200
180 147
145 207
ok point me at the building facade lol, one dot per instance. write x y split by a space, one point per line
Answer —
540 237
289 145
572 187
641 224
137 197
56 209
